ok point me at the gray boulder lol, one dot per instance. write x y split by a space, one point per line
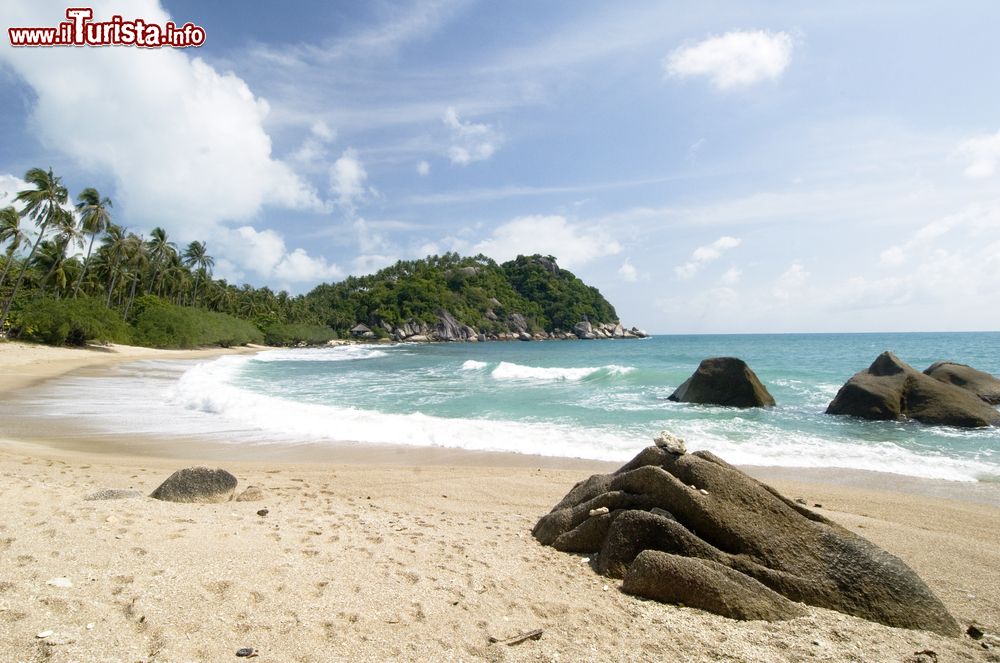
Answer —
723 381
517 323
113 494
980 383
584 329
697 506
448 328
891 389
197 484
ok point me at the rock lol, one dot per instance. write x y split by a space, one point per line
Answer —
723 381
44 634
64 583
584 330
707 585
113 494
517 322
974 632
747 527
601 511
251 494
618 331
525 336
671 443
418 338
262 512
447 327
893 390
980 383
197 484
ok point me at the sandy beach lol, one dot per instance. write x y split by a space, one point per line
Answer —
385 555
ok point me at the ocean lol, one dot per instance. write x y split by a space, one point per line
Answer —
601 400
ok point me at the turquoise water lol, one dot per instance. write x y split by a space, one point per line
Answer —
601 399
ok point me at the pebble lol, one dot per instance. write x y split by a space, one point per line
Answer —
246 652
65 583
703 491
90 626
44 634
605 588
600 511
263 512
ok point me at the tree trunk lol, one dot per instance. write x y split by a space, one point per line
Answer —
6 267
111 287
20 276
131 297
86 263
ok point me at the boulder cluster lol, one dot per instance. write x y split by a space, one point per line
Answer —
946 394
448 329
689 528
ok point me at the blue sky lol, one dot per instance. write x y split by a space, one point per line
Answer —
710 166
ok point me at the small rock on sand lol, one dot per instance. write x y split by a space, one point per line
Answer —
113 494
251 494
197 484
64 583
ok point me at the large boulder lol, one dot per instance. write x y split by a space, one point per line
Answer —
448 328
744 536
891 389
723 381
980 383
584 329
197 484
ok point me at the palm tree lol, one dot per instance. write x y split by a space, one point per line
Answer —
136 261
114 250
51 257
41 204
95 217
160 252
68 234
196 255
10 231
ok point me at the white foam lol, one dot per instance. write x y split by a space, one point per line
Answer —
473 365
335 353
508 371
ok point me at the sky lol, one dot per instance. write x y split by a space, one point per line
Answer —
712 167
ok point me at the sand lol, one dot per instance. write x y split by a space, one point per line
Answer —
411 561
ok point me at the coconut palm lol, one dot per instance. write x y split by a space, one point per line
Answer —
11 233
95 217
160 252
41 204
196 256
114 252
136 261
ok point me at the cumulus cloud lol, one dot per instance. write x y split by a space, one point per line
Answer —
548 235
982 154
265 254
732 276
736 59
706 254
627 272
470 141
314 148
423 168
347 178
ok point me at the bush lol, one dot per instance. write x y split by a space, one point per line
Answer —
159 324
70 322
293 334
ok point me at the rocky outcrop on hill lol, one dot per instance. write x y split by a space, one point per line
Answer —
723 381
197 484
448 329
891 389
690 528
978 382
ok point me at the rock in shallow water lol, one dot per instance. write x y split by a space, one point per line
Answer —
742 525
891 389
724 381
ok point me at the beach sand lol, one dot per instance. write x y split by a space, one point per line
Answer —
358 558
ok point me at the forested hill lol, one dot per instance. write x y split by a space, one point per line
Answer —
449 297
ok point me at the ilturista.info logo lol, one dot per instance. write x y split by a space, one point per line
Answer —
81 30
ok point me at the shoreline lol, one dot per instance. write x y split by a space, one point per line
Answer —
405 553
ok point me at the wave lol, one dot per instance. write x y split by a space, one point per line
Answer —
336 353
508 371
473 365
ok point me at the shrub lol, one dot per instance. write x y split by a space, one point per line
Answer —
159 324
294 334
70 322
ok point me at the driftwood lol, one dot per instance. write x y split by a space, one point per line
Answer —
518 639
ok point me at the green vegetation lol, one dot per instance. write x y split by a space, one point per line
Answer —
71 274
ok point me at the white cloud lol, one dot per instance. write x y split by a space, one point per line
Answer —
313 149
736 59
791 282
185 143
10 185
548 235
983 155
470 141
732 276
628 272
705 254
265 254
423 168
371 263
347 178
